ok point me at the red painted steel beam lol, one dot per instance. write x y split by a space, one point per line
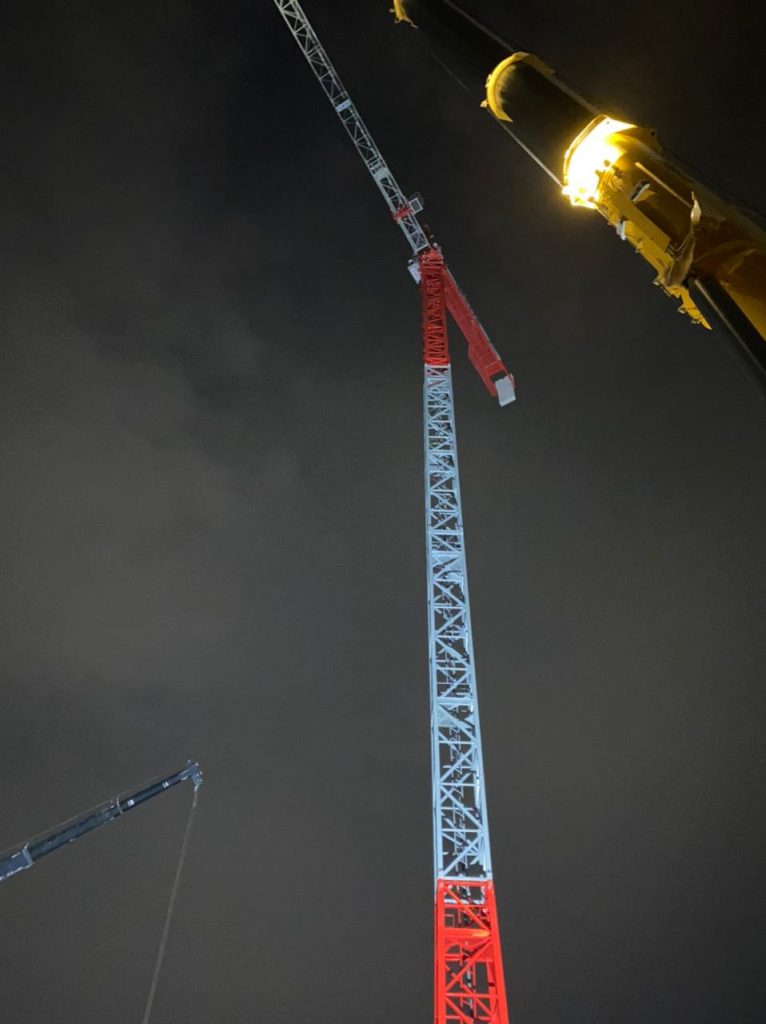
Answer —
432 281
440 291
469 985
481 351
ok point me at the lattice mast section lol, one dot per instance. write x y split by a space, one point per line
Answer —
468 971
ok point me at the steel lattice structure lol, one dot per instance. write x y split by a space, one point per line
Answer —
403 210
468 968
461 839
468 977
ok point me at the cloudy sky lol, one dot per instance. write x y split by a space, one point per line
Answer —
212 530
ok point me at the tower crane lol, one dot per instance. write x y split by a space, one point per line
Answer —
469 985
708 253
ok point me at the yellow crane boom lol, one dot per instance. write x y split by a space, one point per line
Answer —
707 253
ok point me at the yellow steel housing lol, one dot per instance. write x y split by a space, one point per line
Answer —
607 169
496 76
400 14
597 147
679 226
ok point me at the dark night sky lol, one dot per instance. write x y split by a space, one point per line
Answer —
212 536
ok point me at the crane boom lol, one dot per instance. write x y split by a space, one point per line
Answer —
708 253
24 856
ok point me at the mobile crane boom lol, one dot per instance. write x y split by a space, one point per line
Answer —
707 253
29 853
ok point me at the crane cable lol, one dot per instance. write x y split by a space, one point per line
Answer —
169 912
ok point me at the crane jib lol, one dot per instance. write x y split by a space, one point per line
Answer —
404 210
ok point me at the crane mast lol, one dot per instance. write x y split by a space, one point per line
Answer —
468 976
469 984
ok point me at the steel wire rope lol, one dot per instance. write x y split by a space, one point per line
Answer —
169 912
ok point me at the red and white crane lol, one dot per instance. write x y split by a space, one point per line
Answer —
469 985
